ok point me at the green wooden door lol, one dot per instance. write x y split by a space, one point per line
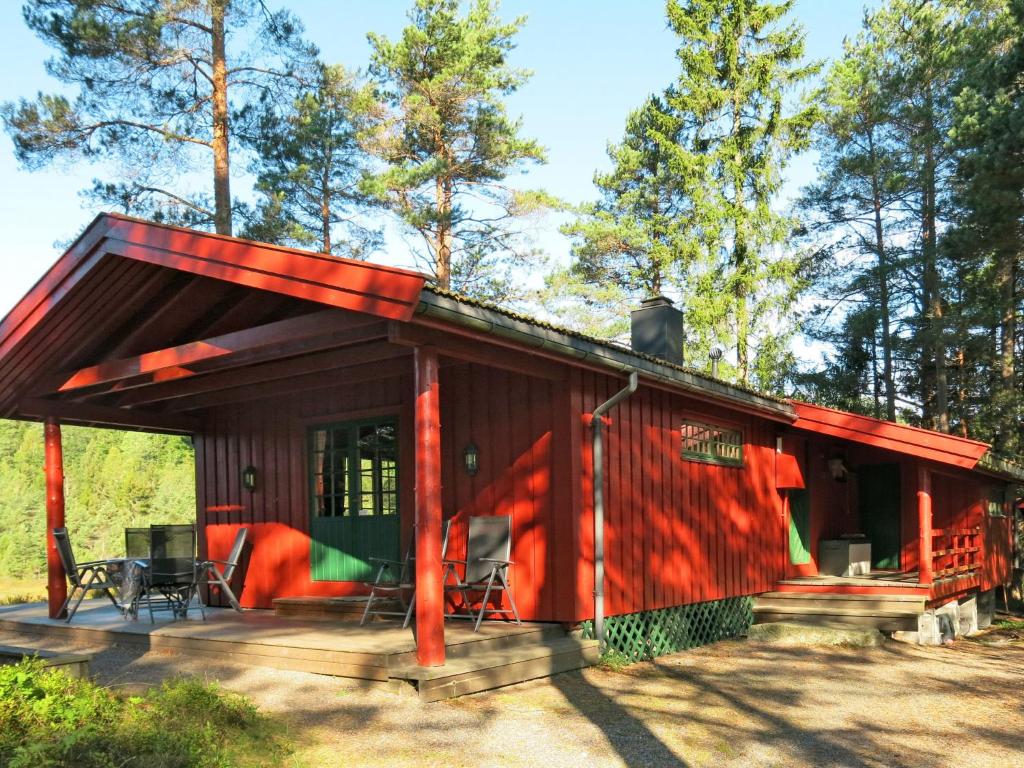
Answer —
879 495
799 526
354 491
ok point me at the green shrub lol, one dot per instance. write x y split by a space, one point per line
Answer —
50 719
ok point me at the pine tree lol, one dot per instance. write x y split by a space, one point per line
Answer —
156 81
449 144
740 67
859 196
309 164
639 235
988 135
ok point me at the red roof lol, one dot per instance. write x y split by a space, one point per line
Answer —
913 441
116 259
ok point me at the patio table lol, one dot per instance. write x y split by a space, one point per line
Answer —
126 574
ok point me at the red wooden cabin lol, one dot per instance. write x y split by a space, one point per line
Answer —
353 393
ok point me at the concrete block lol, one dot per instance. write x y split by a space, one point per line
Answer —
948 618
795 633
928 631
934 627
968 616
986 608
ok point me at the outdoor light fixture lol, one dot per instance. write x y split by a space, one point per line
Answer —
249 478
471 459
837 468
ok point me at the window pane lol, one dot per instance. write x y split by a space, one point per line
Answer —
707 442
365 454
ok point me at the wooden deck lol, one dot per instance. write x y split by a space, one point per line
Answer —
870 583
382 652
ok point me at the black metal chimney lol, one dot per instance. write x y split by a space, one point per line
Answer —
657 329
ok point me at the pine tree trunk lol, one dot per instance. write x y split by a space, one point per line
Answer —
740 251
221 162
875 386
883 290
325 208
443 242
934 309
1007 282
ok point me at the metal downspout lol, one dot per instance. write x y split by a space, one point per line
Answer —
597 458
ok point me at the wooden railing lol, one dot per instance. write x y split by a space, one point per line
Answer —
956 553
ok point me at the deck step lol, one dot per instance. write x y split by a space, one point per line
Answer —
484 671
527 636
331 608
889 612
784 601
886 623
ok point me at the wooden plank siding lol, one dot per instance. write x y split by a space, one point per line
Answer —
677 531
271 435
510 418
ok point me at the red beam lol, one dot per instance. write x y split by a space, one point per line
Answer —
913 441
338 377
430 650
87 414
56 579
270 337
473 351
924 521
321 362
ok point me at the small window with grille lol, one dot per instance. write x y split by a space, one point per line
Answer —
712 444
996 503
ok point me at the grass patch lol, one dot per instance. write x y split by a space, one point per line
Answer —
14 591
614 661
50 719
1017 625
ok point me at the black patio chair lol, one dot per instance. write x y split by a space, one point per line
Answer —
171 572
136 543
488 548
83 577
395 578
219 572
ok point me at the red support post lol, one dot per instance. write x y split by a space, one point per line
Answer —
56 580
924 521
429 589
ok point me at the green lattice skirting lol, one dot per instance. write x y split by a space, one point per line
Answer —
648 634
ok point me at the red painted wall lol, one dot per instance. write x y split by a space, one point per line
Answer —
508 416
271 435
677 531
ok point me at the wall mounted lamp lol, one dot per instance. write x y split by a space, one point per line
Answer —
249 478
471 459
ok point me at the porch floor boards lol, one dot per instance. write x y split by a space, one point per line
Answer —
874 582
382 651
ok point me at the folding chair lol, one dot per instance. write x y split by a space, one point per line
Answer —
209 573
171 571
488 547
395 578
136 543
83 577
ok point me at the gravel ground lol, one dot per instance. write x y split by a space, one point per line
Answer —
731 704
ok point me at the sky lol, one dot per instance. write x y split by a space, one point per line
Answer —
593 62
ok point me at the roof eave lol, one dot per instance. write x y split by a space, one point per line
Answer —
487 321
